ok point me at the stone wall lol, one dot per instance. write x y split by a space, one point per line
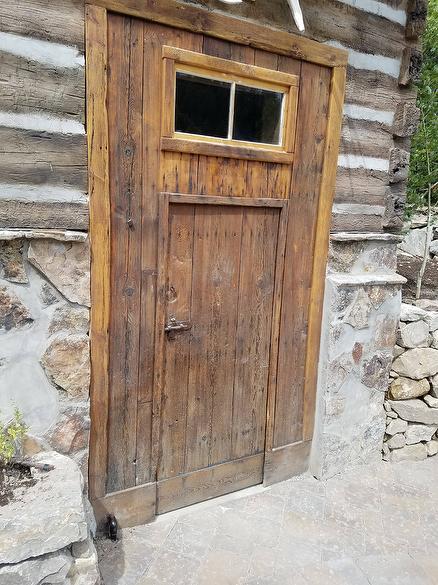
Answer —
44 345
361 311
412 399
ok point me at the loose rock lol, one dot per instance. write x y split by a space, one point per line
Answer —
434 386
396 426
414 334
431 401
397 441
417 363
432 320
405 388
418 433
398 351
414 243
432 448
415 411
411 313
416 452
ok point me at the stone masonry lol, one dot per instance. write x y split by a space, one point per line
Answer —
361 313
412 399
44 344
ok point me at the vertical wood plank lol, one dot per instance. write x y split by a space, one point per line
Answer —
254 319
97 133
306 186
328 180
177 350
125 96
216 265
154 35
179 173
280 175
275 328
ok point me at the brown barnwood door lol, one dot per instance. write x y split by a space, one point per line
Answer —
211 260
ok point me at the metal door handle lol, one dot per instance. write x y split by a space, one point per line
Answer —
174 326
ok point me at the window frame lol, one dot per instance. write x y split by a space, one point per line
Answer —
180 60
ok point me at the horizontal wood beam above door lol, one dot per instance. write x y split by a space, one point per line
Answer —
201 20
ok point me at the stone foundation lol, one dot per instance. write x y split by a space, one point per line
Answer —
44 344
412 399
361 312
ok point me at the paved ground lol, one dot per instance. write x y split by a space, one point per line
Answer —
373 526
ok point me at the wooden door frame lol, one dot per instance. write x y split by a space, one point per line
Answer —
200 20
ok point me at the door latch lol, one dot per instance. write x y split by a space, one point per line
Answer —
173 327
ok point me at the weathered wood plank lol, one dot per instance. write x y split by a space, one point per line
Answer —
307 175
178 492
29 156
130 507
125 102
97 124
214 24
61 21
286 462
216 267
38 214
28 86
253 331
321 245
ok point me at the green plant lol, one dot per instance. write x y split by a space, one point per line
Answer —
11 435
424 153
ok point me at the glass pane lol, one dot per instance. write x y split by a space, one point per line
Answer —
257 115
202 106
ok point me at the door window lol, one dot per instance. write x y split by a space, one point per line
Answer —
225 108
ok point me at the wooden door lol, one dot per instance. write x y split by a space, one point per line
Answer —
205 322
220 259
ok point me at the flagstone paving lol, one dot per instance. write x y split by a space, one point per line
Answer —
377 525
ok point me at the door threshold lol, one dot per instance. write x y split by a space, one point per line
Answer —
213 502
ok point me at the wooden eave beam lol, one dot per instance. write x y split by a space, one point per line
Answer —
201 20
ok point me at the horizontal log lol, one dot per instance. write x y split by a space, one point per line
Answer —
374 89
362 31
27 86
365 138
40 157
360 186
61 21
37 214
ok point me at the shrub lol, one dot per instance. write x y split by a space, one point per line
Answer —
11 436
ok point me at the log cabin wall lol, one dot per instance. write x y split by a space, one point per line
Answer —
44 209
42 106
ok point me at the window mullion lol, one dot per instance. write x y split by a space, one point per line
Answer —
231 115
